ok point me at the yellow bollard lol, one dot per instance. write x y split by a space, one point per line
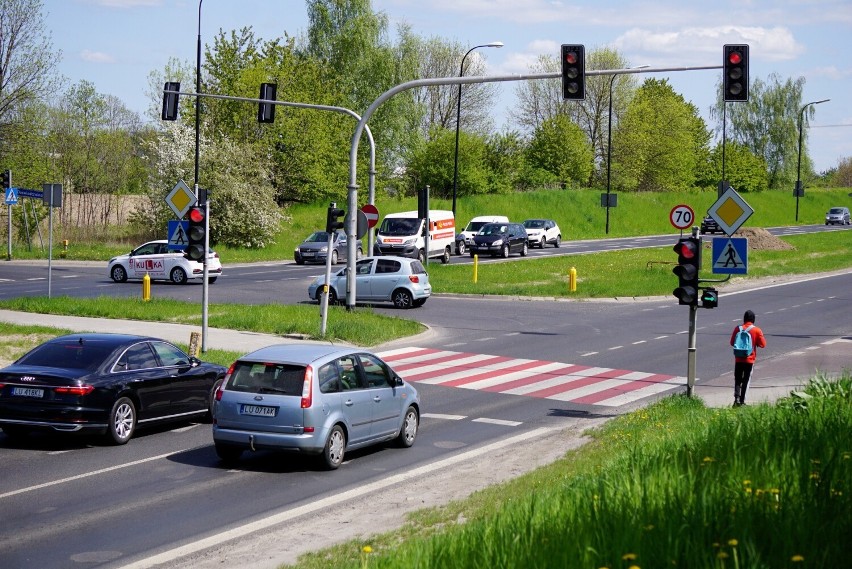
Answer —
194 343
64 252
146 287
572 280
475 269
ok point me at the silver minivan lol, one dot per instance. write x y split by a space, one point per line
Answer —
315 399
838 215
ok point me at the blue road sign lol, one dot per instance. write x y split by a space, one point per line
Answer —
730 256
26 193
178 238
11 196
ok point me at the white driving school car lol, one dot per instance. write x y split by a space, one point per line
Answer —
161 263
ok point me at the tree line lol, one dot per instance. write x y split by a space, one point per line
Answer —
347 57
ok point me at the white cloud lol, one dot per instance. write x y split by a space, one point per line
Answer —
96 56
774 44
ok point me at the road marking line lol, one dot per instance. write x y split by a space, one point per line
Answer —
383 483
639 342
498 422
441 416
88 474
588 354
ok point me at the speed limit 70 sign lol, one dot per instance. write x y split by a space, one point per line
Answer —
682 216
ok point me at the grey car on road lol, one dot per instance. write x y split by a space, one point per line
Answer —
314 249
313 399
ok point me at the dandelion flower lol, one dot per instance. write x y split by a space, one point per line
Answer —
797 558
628 557
733 542
367 549
722 555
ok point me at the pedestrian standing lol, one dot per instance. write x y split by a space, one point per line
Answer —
745 339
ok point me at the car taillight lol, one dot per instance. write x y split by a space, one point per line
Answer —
414 278
307 388
75 389
228 374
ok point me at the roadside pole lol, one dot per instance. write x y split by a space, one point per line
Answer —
693 332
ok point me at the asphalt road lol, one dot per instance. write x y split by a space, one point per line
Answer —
77 502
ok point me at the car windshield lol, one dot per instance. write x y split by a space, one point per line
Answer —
317 237
534 223
493 229
475 226
75 354
835 210
399 226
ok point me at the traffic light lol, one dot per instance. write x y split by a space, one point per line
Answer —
266 111
197 233
735 72
7 179
332 223
170 100
688 252
573 72
709 298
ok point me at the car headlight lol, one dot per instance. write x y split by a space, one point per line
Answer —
324 249
410 241
498 243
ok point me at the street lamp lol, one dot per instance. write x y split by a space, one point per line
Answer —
799 189
609 142
458 119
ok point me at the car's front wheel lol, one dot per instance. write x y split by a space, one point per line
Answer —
335 447
460 248
334 257
178 276
504 252
408 432
118 274
421 256
525 250
402 298
122 421
543 242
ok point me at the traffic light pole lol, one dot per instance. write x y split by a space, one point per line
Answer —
691 349
205 287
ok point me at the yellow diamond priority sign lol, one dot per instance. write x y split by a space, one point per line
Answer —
180 199
730 211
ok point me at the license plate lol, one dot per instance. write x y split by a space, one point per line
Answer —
307 254
259 410
27 392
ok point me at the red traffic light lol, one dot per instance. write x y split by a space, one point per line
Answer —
571 57
196 215
686 249
735 58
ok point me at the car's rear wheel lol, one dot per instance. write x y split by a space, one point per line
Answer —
119 274
460 248
212 280
228 454
558 242
335 447
504 252
122 421
446 257
402 298
178 276
525 249
408 432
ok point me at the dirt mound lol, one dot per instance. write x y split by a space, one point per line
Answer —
760 239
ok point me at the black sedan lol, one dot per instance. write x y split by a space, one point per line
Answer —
106 383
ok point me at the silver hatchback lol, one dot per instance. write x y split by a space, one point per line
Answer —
399 280
315 399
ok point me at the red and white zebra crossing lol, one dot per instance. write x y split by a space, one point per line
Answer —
534 378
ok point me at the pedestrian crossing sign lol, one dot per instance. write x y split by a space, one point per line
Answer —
178 238
730 256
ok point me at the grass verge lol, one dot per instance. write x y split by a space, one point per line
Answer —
675 484
361 327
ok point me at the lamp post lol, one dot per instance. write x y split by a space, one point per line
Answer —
609 142
458 119
799 188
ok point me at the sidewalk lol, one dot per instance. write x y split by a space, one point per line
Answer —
773 378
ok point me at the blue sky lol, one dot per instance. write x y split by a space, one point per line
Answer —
115 44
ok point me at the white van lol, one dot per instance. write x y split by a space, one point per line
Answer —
402 234
465 238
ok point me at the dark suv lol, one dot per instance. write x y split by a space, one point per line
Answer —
500 238
709 225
